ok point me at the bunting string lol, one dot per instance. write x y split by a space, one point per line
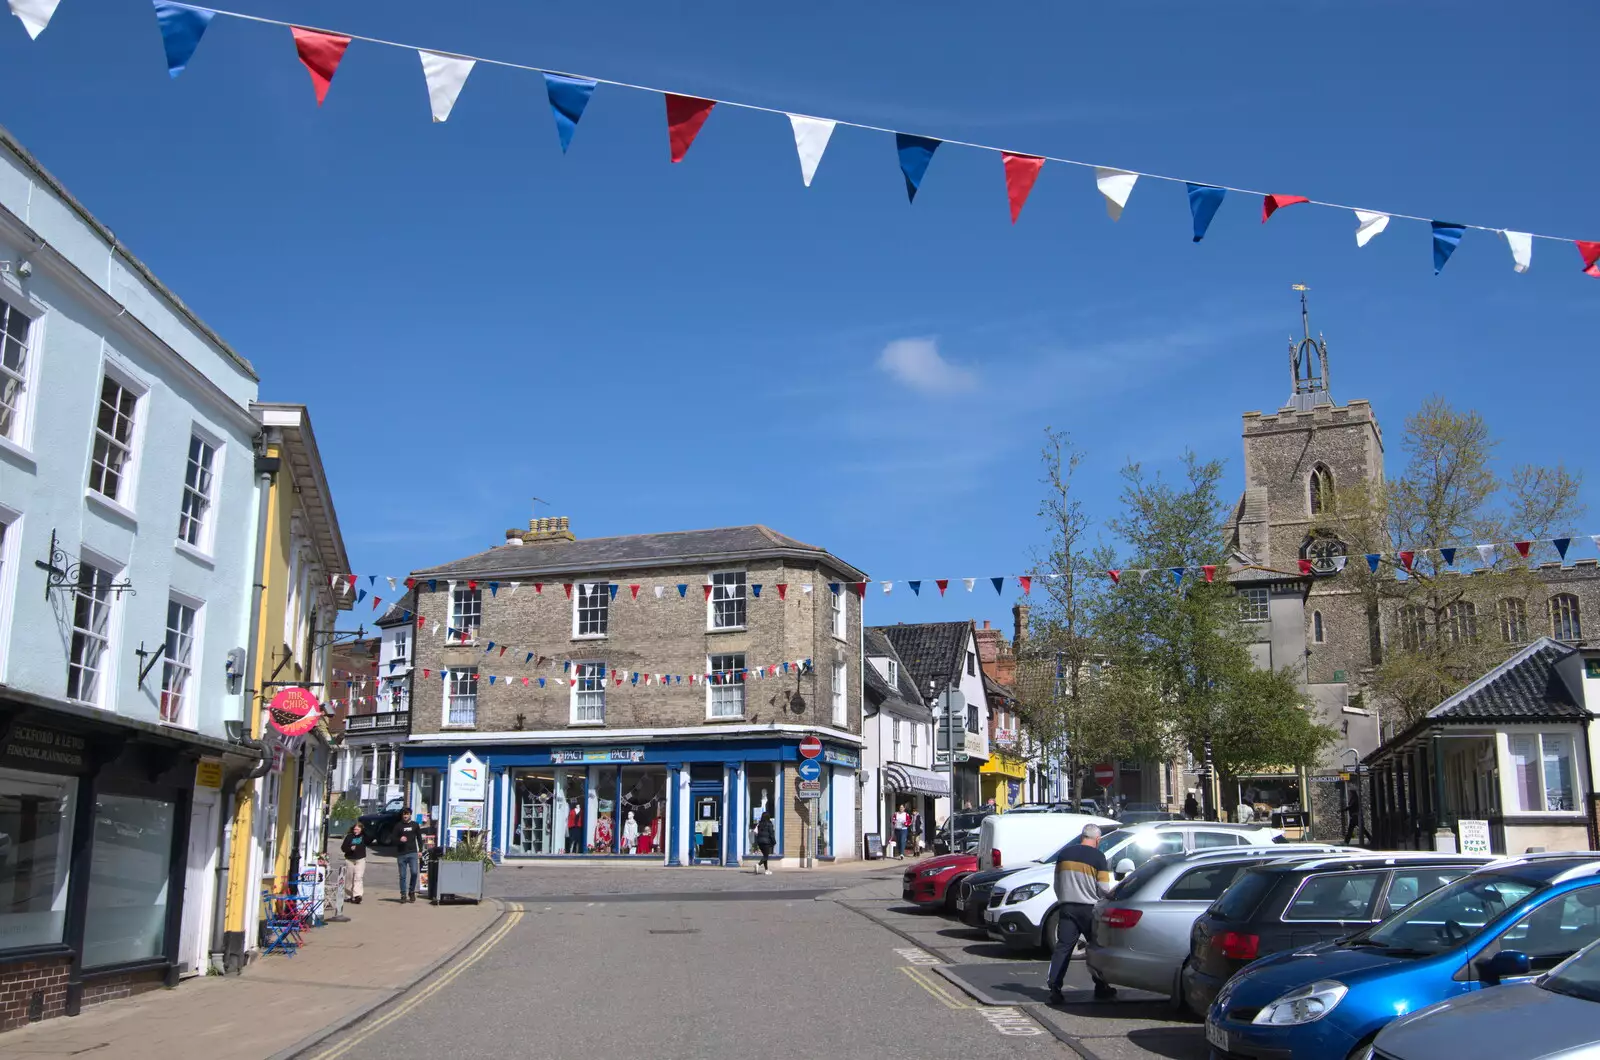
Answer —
321 50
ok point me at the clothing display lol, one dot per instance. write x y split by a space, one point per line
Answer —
630 834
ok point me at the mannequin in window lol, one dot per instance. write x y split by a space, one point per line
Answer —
603 834
630 834
574 828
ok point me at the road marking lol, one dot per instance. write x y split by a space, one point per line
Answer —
917 956
926 981
432 988
1011 1022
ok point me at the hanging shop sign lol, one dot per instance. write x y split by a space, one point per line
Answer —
469 779
294 711
602 755
44 750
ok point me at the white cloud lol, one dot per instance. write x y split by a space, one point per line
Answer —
918 364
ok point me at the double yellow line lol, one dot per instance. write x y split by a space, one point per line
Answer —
424 994
932 986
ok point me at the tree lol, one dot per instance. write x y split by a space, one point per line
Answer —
1444 627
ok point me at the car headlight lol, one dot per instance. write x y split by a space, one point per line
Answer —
1305 1005
1022 894
925 873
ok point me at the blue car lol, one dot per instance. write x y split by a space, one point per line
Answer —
1506 922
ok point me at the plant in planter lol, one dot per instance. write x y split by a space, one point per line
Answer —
462 866
342 815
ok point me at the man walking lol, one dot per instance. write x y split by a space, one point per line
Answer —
1082 879
408 844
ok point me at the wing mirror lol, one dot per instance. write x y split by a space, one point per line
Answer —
1124 867
1507 964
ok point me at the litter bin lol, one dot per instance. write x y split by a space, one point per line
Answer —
431 867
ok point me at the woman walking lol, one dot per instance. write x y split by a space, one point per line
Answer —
355 857
766 839
902 831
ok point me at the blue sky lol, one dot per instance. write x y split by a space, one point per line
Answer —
475 319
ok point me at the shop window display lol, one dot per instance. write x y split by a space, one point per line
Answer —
824 815
604 839
643 810
35 837
128 878
550 812
761 794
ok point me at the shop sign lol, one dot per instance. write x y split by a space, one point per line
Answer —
468 778
1474 837
848 759
601 755
467 816
38 749
294 711
208 773
809 789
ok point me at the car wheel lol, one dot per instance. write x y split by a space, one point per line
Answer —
1047 934
951 893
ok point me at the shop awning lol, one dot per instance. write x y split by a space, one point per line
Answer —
915 780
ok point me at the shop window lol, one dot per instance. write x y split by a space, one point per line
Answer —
603 837
823 808
642 810
550 811
128 877
36 813
726 690
1542 772
761 795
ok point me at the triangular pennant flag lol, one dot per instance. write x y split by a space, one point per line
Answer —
538 588
411 583
376 600
541 682
613 587
1446 237
426 673
1590 252
433 584
1177 575
943 584
1369 224
1305 566
1522 547
708 591
472 585
1116 577
320 52
524 682
1449 556
755 590
660 591
916 588
1406 559
915 153
969 583
1521 244
489 649
494 589
567 586
372 580
805 588
391 583
568 97
1561 545
1271 204
683 592
1116 185
811 137
514 587
182 27
888 587
503 648
361 594
634 589
1210 571
1339 562
491 678
1486 555
1026 581
35 14
1372 561
1021 172
685 116
528 660
860 588
1203 202
783 590
833 587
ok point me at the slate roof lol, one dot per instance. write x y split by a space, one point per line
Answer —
678 548
995 688
903 699
877 646
1526 687
930 651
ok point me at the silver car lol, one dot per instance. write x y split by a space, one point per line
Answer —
1141 932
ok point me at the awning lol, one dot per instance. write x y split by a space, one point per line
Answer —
915 780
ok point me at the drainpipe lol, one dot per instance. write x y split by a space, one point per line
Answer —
231 955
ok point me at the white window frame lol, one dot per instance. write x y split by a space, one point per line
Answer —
106 670
841 694
453 693
10 549
593 674
1512 794
461 633
894 675
720 696
128 477
1255 602
728 587
837 612
188 668
895 742
13 300
402 644
207 535
596 598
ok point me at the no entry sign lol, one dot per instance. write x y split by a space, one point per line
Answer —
810 747
1104 774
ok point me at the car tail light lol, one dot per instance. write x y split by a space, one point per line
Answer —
1121 919
1236 945
994 857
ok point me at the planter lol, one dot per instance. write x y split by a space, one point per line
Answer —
462 879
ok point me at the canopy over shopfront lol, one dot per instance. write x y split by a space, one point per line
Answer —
913 779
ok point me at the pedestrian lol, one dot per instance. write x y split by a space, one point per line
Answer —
1353 823
1191 807
902 831
766 841
1082 879
1243 813
355 857
408 848
916 832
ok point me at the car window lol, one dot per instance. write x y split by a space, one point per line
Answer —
1557 929
1579 977
1240 900
1140 847
1410 884
1336 896
1452 914
1205 884
1134 882
1204 840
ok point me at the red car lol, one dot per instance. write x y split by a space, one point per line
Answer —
929 883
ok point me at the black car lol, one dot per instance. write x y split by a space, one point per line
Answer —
379 826
973 898
967 823
1272 908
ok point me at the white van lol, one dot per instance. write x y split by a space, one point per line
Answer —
1011 840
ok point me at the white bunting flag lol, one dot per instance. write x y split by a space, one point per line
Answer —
888 587
514 587
445 75
660 589
969 582
391 584
1116 185
436 629
806 589
1339 562
1369 224
1521 244
811 137
1596 539
35 14
1486 553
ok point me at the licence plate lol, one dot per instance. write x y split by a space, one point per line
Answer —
961 905
1217 1037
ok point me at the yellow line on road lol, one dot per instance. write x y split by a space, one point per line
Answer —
926 981
418 998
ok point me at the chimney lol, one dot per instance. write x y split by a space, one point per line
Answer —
1019 618
986 623
544 530
513 536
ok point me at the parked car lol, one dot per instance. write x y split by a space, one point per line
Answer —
1009 839
1556 1017
1141 932
1282 907
381 824
929 883
966 833
1022 908
973 900
1505 922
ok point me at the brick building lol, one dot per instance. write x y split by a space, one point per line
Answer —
654 700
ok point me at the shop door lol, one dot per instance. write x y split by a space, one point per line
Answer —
705 835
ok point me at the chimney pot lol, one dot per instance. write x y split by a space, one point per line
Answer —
551 528
513 536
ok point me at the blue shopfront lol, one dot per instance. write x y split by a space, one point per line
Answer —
677 802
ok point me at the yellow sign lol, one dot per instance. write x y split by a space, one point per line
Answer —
208 773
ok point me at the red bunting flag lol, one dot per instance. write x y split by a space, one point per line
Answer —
472 585
572 681
1210 570
376 600
708 592
411 583
568 587
351 578
634 589
943 584
1591 256
1305 566
502 650
1116 577
426 673
524 682
861 590
1026 582
1522 547
783 590
1271 204
421 621
1021 172
619 677
685 115
1406 559
538 588
320 52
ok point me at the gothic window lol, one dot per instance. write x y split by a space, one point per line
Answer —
1321 490
1513 620
1413 627
1316 627
1565 623
1461 622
